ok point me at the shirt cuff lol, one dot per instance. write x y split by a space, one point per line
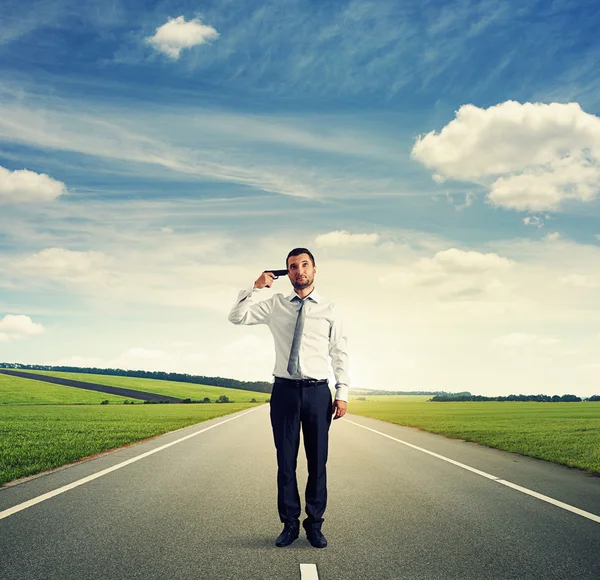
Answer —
341 393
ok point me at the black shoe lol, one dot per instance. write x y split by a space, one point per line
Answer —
316 538
288 535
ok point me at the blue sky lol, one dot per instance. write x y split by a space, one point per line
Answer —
442 160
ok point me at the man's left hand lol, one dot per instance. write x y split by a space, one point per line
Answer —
339 409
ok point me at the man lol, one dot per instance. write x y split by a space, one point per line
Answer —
308 334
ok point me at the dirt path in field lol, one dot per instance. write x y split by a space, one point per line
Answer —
142 395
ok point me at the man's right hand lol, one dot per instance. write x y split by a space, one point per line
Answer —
266 279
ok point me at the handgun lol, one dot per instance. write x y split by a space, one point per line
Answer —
278 273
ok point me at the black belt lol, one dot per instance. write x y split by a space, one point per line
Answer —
301 382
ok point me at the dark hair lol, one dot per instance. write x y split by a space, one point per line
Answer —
297 252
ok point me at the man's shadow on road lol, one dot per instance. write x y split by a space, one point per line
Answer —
267 542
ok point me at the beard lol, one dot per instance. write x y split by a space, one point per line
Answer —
301 283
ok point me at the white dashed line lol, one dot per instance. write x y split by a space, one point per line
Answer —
50 494
308 572
535 494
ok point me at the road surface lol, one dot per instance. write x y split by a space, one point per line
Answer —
200 503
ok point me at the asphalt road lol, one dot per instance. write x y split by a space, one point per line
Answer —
206 508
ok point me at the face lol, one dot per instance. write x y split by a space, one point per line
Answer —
301 271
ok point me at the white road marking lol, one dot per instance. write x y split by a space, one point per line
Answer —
535 494
50 494
551 500
308 572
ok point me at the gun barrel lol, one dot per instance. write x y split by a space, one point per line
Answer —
278 272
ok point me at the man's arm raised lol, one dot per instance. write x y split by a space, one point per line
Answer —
245 310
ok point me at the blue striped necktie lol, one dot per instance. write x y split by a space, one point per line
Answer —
293 363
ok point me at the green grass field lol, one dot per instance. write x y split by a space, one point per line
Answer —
18 391
35 438
565 433
45 426
170 388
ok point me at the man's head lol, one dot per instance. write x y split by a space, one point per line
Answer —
301 268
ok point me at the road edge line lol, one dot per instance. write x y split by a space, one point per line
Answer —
50 494
547 499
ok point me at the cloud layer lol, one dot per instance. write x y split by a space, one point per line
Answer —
421 310
532 156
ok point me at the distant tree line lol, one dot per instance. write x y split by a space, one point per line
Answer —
260 386
453 397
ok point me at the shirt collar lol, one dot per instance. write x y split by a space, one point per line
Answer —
314 296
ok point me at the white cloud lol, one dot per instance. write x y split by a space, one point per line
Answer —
140 270
553 237
24 186
455 273
532 156
545 187
67 265
455 260
345 239
469 198
534 220
177 34
18 326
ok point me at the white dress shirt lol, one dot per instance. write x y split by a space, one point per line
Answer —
323 337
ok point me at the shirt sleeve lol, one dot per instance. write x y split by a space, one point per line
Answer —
247 310
339 357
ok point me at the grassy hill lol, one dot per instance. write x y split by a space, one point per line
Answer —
18 391
256 386
192 391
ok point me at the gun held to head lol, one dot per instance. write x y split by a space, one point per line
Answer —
277 273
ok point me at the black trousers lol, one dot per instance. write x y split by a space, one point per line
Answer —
293 405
